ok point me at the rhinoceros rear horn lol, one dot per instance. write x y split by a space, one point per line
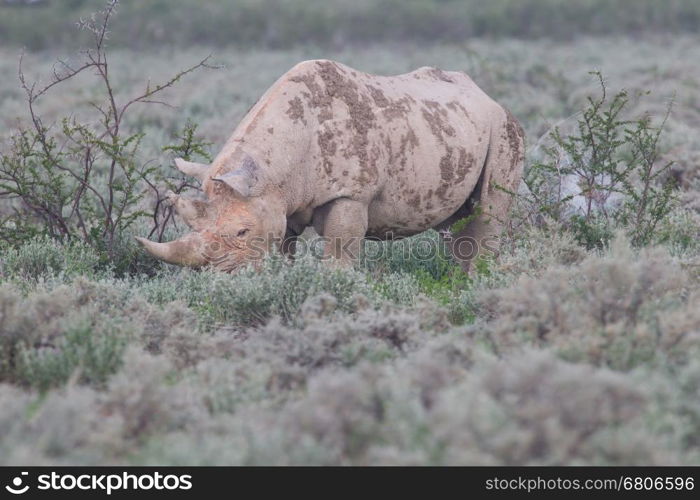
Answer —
196 170
186 251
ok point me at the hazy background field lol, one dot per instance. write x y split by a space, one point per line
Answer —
555 354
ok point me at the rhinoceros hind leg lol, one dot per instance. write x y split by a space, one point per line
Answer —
493 196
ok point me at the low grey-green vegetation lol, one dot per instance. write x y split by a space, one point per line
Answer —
580 344
280 23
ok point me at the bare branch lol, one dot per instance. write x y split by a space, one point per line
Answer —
204 63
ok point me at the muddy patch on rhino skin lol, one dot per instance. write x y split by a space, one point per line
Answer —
296 110
328 147
446 167
448 174
409 141
378 97
398 108
516 136
440 75
464 163
457 106
316 97
335 85
348 91
414 201
362 118
435 115
435 107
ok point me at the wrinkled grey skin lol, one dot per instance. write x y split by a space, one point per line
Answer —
354 155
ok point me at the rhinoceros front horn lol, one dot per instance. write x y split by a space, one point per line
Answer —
186 251
196 170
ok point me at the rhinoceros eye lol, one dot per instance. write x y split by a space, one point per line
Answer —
242 232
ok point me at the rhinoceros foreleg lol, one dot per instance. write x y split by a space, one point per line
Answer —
342 224
493 197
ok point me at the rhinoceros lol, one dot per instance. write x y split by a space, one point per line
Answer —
354 155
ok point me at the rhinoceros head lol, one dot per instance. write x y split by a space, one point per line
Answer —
236 224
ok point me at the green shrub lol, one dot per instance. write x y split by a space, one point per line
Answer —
43 257
84 180
78 330
88 355
605 176
679 232
399 288
424 253
622 310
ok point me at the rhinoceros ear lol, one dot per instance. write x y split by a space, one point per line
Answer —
244 180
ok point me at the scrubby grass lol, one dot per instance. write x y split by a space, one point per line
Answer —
552 354
351 377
